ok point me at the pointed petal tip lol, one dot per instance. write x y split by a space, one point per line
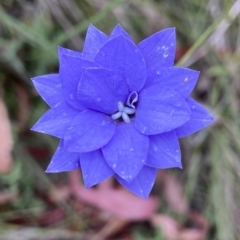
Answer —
54 171
144 195
35 128
32 128
119 31
91 26
142 184
180 166
119 26
50 170
88 185
212 118
175 165
60 50
33 79
208 119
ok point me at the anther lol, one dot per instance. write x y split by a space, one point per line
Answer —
116 115
128 110
125 118
120 106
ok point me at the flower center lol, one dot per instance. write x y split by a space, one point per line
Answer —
128 109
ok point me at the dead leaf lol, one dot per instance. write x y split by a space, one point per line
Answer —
108 183
7 197
59 194
190 234
199 220
111 228
168 226
6 142
51 217
120 202
173 192
201 230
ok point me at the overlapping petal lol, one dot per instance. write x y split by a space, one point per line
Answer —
182 80
200 118
127 151
70 75
122 55
94 168
118 30
63 161
49 88
88 131
158 50
160 110
94 40
56 120
164 151
142 184
101 89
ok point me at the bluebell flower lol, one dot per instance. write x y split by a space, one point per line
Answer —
119 108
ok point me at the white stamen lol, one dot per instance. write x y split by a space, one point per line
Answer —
128 110
120 106
126 118
116 115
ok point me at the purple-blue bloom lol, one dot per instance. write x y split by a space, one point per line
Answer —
119 108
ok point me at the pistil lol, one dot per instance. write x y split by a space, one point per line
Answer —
123 113
128 109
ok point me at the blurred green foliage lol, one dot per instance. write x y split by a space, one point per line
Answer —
208 33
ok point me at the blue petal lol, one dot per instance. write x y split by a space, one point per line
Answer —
182 80
118 30
142 184
89 131
70 75
127 151
49 88
121 54
94 168
56 120
102 89
200 118
63 161
94 40
159 49
160 110
164 151
65 51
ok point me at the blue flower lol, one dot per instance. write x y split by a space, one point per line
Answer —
119 108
